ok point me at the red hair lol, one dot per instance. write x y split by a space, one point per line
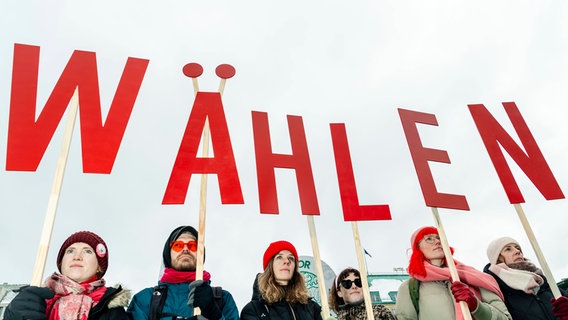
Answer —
416 264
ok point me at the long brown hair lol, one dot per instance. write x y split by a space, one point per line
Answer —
335 300
294 292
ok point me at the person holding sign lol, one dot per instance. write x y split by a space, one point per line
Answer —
429 294
346 298
527 292
282 291
78 291
177 292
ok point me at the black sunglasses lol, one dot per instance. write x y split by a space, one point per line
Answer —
346 283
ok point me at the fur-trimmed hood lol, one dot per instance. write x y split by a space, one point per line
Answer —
121 297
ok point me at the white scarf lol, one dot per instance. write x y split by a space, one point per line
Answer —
527 281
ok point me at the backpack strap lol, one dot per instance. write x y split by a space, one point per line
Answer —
157 302
413 287
160 294
218 296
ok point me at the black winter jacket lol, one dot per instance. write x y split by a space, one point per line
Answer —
111 306
524 306
259 309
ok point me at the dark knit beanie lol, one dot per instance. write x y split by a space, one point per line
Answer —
167 257
93 240
276 247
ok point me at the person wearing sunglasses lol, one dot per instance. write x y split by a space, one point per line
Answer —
431 294
527 292
78 291
346 298
282 293
178 293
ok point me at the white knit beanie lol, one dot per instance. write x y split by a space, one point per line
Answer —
495 247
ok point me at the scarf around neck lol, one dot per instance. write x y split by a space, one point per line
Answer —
174 276
72 300
526 281
474 278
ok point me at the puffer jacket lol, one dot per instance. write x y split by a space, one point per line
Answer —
524 306
359 312
437 302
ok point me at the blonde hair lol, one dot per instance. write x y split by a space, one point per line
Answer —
294 292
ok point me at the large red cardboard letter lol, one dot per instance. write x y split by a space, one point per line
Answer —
299 160
421 156
28 138
352 211
532 162
207 105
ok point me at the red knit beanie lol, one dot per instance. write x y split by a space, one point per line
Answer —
276 247
93 240
416 264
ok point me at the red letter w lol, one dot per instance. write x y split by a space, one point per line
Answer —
28 138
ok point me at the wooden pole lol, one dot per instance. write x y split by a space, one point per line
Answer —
319 268
49 219
449 259
363 270
538 251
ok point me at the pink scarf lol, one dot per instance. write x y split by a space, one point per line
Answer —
474 278
72 300
174 276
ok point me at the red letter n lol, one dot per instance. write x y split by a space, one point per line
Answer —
28 138
532 162
421 156
299 160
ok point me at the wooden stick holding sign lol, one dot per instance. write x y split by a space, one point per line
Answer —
363 270
49 220
538 251
449 258
194 70
531 161
319 268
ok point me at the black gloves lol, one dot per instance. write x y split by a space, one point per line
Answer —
201 295
29 304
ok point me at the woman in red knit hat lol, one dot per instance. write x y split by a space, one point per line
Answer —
430 294
78 291
282 290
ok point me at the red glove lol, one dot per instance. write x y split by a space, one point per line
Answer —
462 292
560 307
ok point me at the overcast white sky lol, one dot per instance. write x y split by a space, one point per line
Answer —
353 62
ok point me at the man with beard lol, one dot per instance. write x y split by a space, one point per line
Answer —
526 290
178 292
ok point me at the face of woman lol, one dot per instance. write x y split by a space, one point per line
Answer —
350 291
79 262
283 266
511 253
431 247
